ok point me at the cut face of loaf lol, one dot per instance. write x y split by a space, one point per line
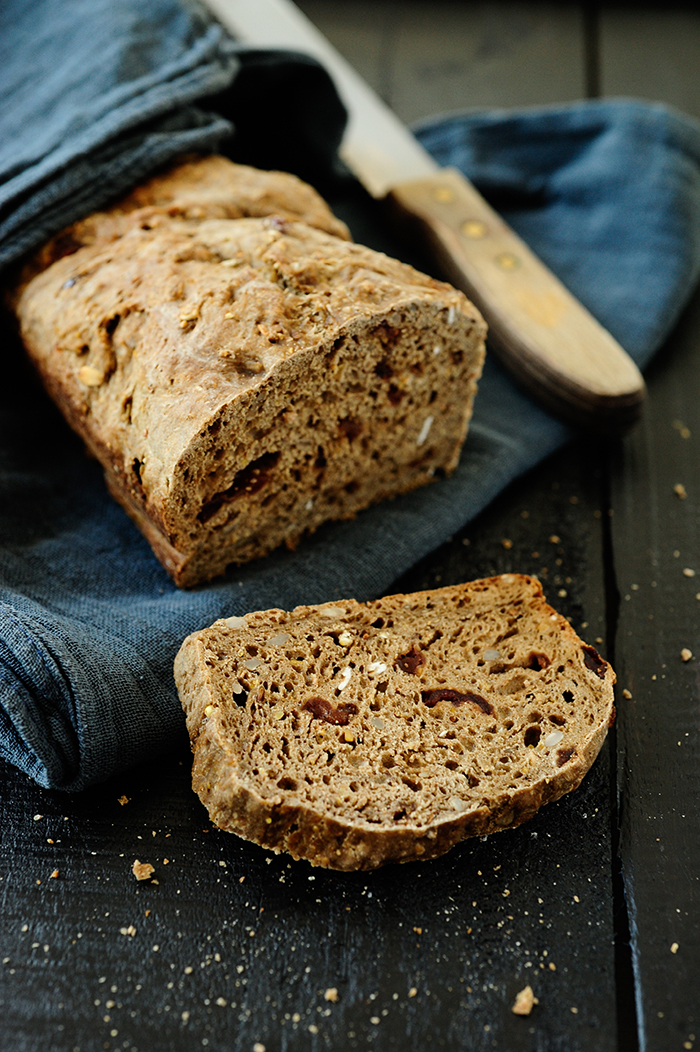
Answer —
356 734
245 380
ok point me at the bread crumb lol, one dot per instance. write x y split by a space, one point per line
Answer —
686 654
54 874
680 491
674 947
258 1047
131 930
627 693
123 800
524 1002
507 543
38 818
554 539
142 870
418 931
331 994
412 992
687 572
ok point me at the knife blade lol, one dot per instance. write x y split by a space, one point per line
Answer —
549 341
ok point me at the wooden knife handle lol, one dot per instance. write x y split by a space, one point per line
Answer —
551 344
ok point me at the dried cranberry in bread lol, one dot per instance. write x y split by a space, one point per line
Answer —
244 380
354 734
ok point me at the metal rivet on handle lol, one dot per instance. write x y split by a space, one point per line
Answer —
474 228
507 261
444 195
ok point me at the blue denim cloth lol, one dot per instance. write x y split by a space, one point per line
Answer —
608 193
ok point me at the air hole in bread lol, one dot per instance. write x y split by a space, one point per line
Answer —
568 696
532 735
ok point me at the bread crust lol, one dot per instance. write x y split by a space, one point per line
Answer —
192 190
243 380
279 812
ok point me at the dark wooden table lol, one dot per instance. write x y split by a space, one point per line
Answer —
594 903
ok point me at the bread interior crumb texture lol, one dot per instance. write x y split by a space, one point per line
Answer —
354 734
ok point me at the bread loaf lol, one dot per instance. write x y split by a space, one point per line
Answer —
355 734
243 380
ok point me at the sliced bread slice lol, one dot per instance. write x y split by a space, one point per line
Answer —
355 734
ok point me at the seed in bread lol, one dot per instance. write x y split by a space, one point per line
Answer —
244 380
354 734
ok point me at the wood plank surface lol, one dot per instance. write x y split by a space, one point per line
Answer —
426 59
233 946
652 54
656 546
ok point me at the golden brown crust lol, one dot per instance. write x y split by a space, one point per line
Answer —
408 779
193 189
244 380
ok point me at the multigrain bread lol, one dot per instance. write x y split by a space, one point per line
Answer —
192 190
355 734
243 380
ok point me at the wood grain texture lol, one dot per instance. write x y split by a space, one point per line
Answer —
63 953
656 544
456 56
651 54
421 955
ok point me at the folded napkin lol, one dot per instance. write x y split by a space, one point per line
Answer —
608 193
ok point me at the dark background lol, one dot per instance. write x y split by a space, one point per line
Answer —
594 902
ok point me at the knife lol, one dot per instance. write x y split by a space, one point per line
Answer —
548 340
